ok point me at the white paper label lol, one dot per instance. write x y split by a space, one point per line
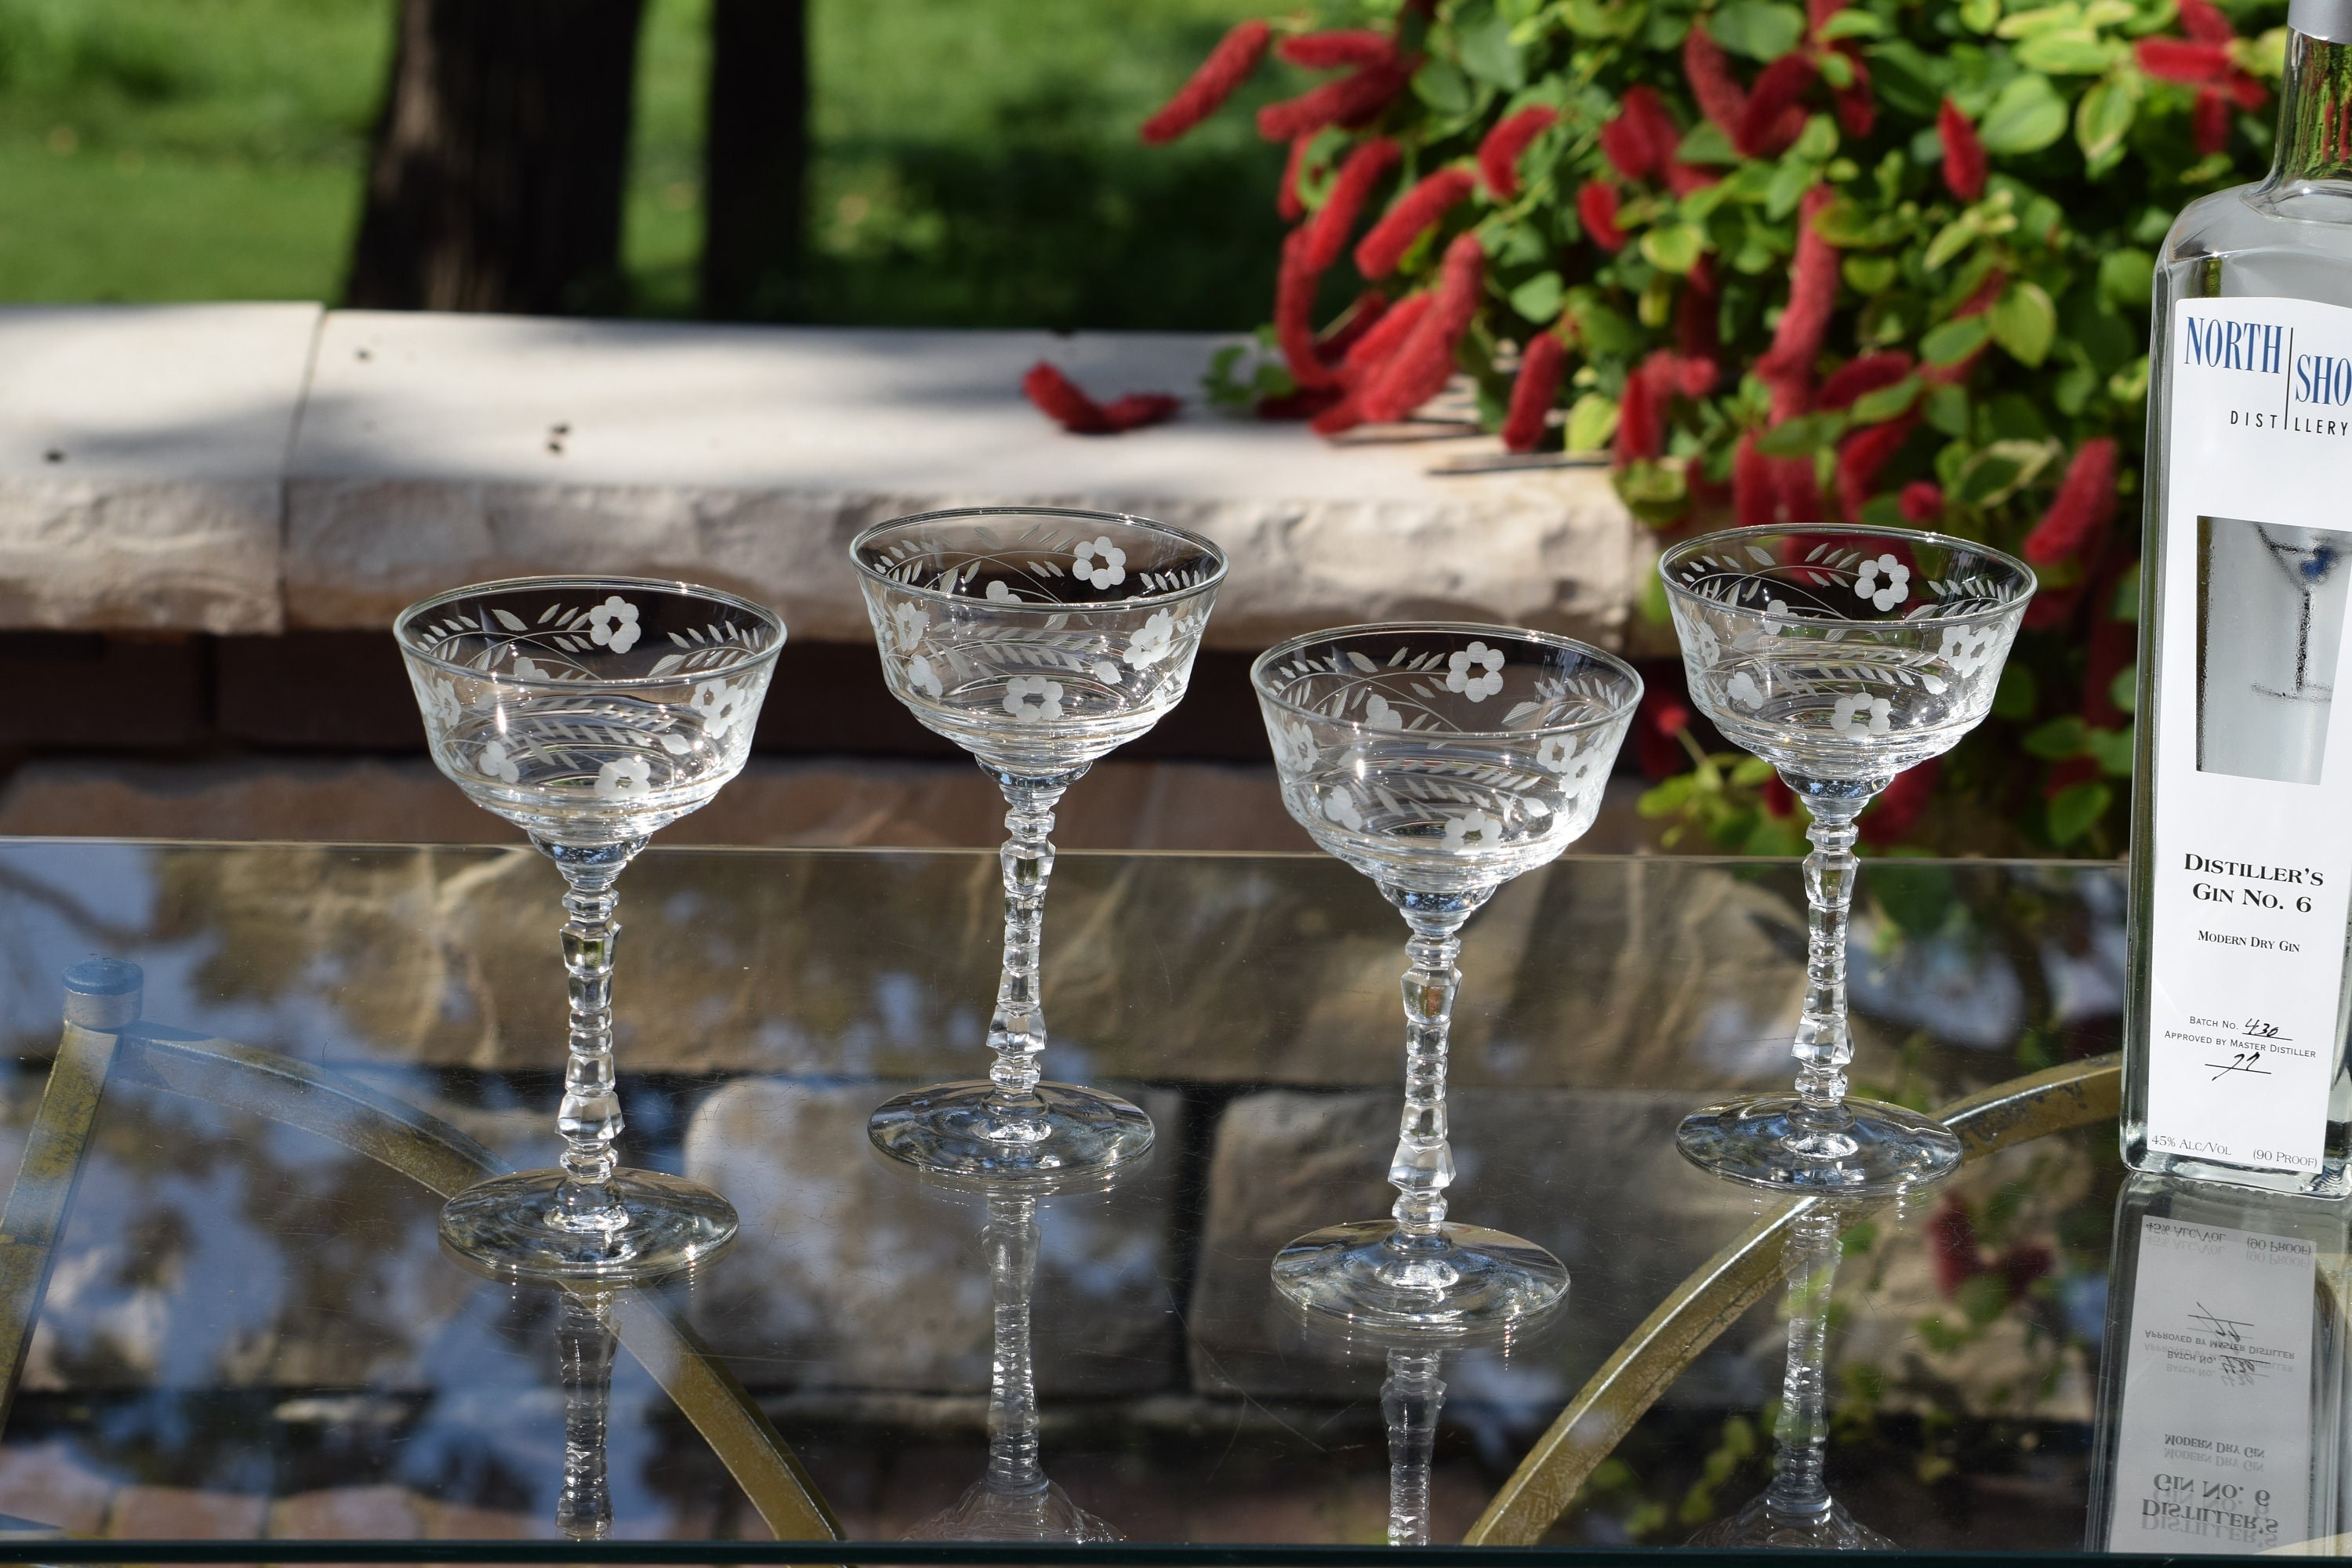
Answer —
2213 1451
2253 836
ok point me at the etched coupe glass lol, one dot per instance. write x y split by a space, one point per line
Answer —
1841 655
589 712
1038 640
1441 761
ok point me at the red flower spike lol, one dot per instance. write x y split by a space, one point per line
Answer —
1374 349
1901 805
1754 502
1857 108
1294 307
1498 155
1138 409
1304 403
1818 12
1354 321
1861 456
1922 501
1287 202
1696 314
1648 113
2244 91
1964 155
2085 503
1059 399
1641 416
1533 393
1718 93
1423 363
1683 178
1596 203
1777 798
1952 1242
2179 60
1327 230
2203 21
1228 65
1348 101
1408 217
1856 376
1800 492
1329 52
1813 293
2209 122
1764 130
1343 414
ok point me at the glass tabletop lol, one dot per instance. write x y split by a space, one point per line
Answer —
238 1325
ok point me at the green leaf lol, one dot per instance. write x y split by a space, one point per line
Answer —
1481 38
2024 320
2075 808
1593 19
2127 277
1539 298
1759 30
2129 384
2074 388
1657 493
1837 70
2105 115
1979 16
1801 436
1911 80
2112 748
1706 144
2018 694
2124 689
1674 247
1885 403
2026 117
2069 54
2057 740
2001 469
1883 511
2127 604
1818 140
1951 239
1591 422
1954 341
1607 335
1868 274
1791 178
1667 798
1947 409
1983 1296
1852 24
1441 85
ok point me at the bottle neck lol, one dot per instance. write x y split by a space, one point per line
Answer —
2315 132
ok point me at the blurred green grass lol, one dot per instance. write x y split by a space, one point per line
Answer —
975 161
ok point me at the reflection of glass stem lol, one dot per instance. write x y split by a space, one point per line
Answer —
1017 1031
583 1349
1011 1241
589 1116
1801 1441
1410 1401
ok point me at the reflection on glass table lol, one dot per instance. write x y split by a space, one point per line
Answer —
234 1319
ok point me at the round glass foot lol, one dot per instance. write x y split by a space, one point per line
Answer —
958 1129
500 1227
1877 1148
1040 1513
1760 1524
1473 1279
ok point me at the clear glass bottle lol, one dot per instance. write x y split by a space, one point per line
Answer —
2242 855
2221 1385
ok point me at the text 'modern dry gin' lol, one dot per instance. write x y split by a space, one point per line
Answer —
2241 863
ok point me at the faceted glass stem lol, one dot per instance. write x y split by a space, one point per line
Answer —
1410 1401
583 1348
1016 1032
589 1116
1423 1166
1820 1126
1799 1489
1011 1243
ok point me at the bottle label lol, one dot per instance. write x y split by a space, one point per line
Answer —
2213 1444
2252 834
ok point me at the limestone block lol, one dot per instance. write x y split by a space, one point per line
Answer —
143 453
184 1513
852 1273
43 1482
437 450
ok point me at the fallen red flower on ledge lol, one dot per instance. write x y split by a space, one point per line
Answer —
1059 399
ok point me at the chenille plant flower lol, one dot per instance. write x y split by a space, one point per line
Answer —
1874 260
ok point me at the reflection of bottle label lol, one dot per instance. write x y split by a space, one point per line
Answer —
2213 1452
2239 1034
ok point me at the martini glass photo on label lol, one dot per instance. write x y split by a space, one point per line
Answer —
591 712
1038 640
1841 655
1441 761
2272 610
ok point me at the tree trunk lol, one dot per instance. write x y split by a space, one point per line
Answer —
755 157
496 178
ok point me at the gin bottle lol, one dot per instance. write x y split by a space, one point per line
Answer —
2239 994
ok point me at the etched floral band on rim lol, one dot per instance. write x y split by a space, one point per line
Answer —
1038 639
1440 760
1841 655
591 712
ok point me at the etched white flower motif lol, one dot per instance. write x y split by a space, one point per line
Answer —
1477 656
1106 672
1742 688
1380 715
720 705
1000 592
442 708
1967 648
1340 808
614 625
1583 770
1776 610
1862 715
1555 751
624 778
1703 645
1886 594
923 678
530 669
1101 562
1473 828
1294 744
1152 641
499 763
908 625
1021 688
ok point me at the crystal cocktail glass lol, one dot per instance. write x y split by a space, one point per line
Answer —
1841 655
1038 640
1441 761
589 712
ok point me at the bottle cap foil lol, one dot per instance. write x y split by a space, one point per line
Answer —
2329 20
